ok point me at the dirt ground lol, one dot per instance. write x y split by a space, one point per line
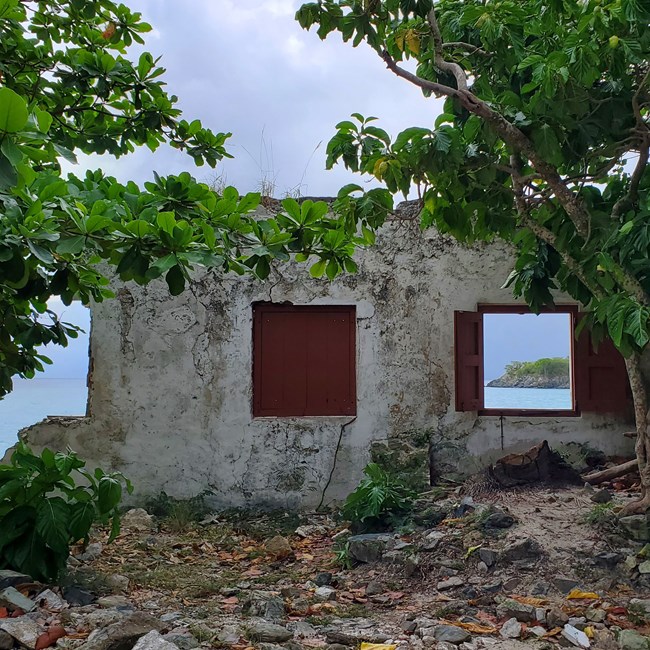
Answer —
218 575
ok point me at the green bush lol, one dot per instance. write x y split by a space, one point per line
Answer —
43 510
379 498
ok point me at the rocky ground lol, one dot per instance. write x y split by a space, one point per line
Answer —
507 570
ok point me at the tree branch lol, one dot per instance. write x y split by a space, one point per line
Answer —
441 63
471 49
543 233
512 136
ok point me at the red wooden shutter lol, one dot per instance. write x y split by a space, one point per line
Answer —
601 382
468 357
304 360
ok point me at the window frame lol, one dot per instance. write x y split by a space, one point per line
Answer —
259 309
572 310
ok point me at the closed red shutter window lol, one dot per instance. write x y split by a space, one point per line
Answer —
304 360
601 381
468 357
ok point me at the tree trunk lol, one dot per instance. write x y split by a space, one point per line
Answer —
642 447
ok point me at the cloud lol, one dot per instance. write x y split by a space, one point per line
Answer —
246 67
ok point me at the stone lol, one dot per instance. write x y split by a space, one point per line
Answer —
262 605
432 540
509 608
641 604
636 527
607 560
540 614
278 548
182 639
91 620
12 578
644 567
263 631
451 634
323 594
450 583
6 640
154 641
123 634
354 631
118 583
526 549
310 530
488 556
540 589
368 548
323 579
537 630
595 614
564 585
300 606
229 635
499 519
171 617
109 602
91 552
13 599
556 618
511 629
78 597
374 588
632 640
274 646
575 637
138 519
23 629
601 496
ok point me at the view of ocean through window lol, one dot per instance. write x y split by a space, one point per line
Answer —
527 361
60 390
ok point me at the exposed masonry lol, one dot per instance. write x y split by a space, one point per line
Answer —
170 396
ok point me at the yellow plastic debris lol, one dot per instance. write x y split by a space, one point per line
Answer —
377 646
576 594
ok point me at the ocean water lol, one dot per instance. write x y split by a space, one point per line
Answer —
34 399
528 398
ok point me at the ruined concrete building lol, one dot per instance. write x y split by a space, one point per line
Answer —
279 393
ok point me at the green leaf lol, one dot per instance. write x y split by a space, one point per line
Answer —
82 518
52 519
72 245
13 111
65 153
318 269
109 491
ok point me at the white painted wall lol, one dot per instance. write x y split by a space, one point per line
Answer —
170 399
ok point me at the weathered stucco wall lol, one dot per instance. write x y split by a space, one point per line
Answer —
170 398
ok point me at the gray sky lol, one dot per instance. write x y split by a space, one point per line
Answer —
246 67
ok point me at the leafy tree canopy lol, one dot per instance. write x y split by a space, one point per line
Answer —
543 142
68 85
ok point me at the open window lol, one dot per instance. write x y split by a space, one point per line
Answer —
509 361
304 360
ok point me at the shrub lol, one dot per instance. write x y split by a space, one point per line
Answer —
379 498
43 510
